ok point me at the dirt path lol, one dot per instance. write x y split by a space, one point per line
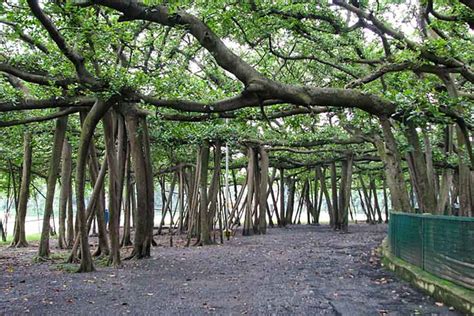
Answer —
298 270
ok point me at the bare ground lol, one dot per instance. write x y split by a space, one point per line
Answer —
295 270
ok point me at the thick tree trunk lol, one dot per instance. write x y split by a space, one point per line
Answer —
215 181
250 192
66 171
392 159
19 237
264 164
59 133
345 193
425 190
464 148
114 188
446 175
140 152
430 170
205 235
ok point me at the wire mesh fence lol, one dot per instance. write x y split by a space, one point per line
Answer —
441 245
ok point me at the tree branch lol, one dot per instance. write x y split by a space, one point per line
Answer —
36 119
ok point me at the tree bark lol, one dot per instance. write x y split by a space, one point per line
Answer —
70 217
392 159
282 198
140 152
88 127
66 171
214 187
99 206
335 205
250 192
345 192
264 164
424 186
114 188
19 237
59 134
205 236
126 240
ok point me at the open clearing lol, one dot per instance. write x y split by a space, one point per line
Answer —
295 270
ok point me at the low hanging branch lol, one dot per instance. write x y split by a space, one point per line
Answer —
49 117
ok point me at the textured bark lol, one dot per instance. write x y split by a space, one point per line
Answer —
250 193
424 186
430 170
88 128
121 160
205 236
466 183
19 237
114 188
256 196
465 154
58 140
126 240
335 206
66 171
446 175
392 159
345 193
264 164
215 183
149 176
140 153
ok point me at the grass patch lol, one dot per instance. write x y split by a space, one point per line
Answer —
59 256
102 261
66 267
29 238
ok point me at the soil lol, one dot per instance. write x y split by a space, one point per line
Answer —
295 270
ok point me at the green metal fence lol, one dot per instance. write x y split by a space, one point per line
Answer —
441 245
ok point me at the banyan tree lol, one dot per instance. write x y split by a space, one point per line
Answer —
242 114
